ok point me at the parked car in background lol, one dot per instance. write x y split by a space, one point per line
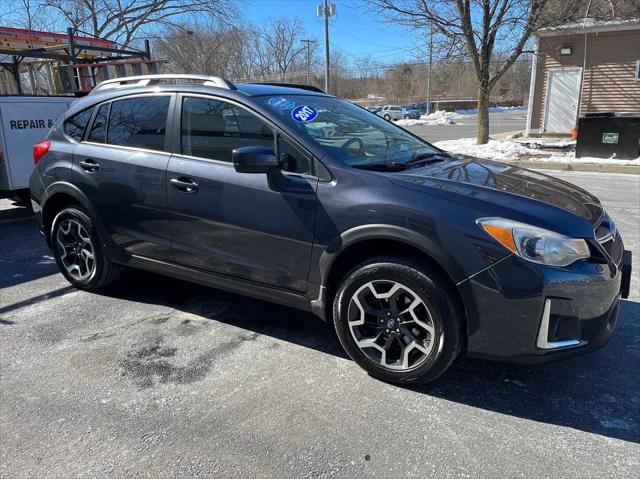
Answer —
293 196
397 112
422 107
391 112
411 114
374 109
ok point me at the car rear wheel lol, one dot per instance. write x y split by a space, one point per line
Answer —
406 117
397 318
78 251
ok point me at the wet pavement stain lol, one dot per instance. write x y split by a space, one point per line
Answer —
152 365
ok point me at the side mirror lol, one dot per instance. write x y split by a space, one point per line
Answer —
254 159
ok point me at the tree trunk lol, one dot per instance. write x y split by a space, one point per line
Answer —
483 115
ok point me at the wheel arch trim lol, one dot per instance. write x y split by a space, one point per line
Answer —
68 189
399 234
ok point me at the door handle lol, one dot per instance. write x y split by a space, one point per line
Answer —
89 165
184 184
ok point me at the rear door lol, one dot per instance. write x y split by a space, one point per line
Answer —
121 167
233 223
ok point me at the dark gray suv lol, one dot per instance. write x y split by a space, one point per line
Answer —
293 196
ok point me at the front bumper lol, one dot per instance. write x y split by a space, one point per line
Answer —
523 312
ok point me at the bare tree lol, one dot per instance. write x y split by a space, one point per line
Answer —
282 38
481 28
121 20
209 48
30 14
259 56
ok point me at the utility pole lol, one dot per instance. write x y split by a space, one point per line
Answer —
327 10
429 72
308 42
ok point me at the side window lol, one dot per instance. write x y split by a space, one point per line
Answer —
292 159
213 129
98 130
75 125
139 122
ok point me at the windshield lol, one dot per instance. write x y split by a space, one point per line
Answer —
349 133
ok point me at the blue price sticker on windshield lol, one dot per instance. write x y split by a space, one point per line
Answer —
281 103
304 113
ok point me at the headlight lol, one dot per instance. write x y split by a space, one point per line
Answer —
535 244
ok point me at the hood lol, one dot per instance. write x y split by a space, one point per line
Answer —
484 176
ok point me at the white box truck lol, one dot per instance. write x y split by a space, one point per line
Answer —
24 120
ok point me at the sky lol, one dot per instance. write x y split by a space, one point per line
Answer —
357 30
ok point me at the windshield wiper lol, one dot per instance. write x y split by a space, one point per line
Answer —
421 159
382 166
417 160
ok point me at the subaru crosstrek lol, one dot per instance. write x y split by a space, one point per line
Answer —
294 196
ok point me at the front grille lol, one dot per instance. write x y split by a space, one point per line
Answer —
613 248
609 239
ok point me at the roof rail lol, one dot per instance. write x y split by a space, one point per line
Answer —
145 80
291 85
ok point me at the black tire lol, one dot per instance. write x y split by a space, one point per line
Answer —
105 271
406 117
436 295
387 117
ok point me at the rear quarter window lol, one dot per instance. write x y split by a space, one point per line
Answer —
98 131
75 125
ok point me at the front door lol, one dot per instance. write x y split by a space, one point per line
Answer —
234 223
563 91
121 167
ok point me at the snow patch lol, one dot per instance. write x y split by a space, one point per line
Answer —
493 150
492 109
436 118
585 159
547 143
502 150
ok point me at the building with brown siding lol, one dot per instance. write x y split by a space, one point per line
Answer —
611 79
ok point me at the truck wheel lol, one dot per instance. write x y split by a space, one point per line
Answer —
78 251
23 198
397 318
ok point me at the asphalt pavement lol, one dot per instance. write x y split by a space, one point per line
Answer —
156 377
499 122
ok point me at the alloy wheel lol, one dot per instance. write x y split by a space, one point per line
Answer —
75 249
391 325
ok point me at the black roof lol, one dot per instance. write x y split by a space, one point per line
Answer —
261 89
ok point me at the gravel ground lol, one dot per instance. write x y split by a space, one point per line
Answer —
160 378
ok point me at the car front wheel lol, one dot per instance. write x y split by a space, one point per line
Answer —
397 318
387 117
